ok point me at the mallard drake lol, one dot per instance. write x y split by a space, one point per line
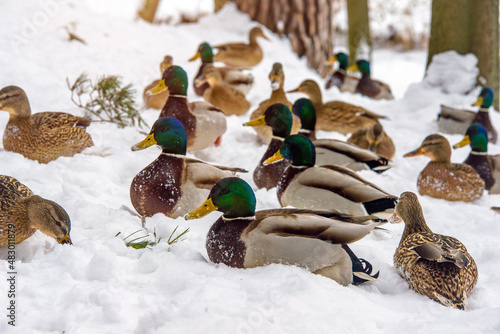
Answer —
335 115
173 184
340 78
22 213
244 238
277 78
434 265
487 166
452 120
43 136
240 54
333 188
374 139
157 101
332 151
366 86
279 117
443 179
234 77
230 100
203 122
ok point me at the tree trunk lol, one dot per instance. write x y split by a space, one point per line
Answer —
218 4
307 23
148 10
359 38
468 26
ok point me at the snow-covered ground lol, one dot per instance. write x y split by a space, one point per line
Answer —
99 285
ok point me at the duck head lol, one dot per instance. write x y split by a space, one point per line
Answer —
362 66
298 149
205 53
174 79
277 76
342 58
485 98
14 100
168 133
50 218
475 136
304 109
232 196
279 117
435 146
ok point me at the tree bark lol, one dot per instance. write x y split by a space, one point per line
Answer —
359 30
307 23
468 26
148 10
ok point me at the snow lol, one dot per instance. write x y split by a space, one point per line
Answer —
99 285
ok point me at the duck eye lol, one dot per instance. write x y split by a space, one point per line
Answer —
225 191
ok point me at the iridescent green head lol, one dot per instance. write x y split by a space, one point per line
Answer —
363 66
279 117
168 133
343 60
485 98
175 79
304 109
296 148
206 53
475 136
232 196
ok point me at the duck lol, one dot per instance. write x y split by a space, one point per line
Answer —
332 151
234 77
451 120
241 55
157 101
317 241
172 184
23 213
279 118
340 78
43 136
203 122
487 166
330 187
443 179
338 116
375 139
366 86
277 79
434 265
230 100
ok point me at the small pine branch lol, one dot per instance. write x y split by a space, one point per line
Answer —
106 99
144 242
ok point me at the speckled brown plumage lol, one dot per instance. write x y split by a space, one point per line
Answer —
443 179
434 265
29 212
42 136
374 139
336 115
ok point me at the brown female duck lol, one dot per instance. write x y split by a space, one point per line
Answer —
434 265
335 115
443 179
374 139
366 86
240 54
157 101
22 213
43 136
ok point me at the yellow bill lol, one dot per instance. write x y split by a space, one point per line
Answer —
413 153
275 158
160 87
332 60
196 56
65 240
478 102
149 141
353 68
465 141
256 122
207 207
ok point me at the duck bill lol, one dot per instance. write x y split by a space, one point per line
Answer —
207 207
414 153
256 122
395 219
463 142
149 141
275 158
296 90
196 56
199 82
353 68
478 102
331 60
65 240
160 87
